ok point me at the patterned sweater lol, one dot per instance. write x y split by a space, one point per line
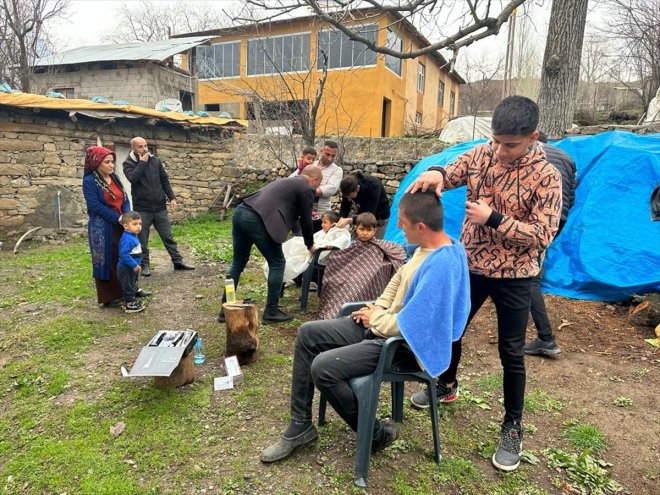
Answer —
526 199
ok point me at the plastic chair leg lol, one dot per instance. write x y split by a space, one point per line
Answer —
434 421
397 401
366 393
322 405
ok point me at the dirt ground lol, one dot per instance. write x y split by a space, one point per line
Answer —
603 357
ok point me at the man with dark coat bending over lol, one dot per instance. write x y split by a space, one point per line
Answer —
265 219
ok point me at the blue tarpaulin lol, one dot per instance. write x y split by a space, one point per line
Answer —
609 248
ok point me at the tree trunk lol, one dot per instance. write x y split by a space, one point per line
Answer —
561 66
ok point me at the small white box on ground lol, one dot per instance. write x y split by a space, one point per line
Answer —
223 383
233 369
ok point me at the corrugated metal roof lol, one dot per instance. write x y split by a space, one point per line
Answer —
153 50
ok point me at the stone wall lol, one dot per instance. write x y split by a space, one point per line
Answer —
42 154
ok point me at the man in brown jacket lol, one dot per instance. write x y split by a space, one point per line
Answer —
513 207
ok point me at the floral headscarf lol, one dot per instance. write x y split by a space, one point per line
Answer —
93 158
95 155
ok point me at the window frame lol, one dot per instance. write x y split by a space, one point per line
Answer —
419 118
390 58
443 86
452 103
421 77
269 67
214 46
360 54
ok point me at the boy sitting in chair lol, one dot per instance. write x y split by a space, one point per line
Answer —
360 272
330 352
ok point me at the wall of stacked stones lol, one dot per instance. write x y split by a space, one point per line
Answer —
42 154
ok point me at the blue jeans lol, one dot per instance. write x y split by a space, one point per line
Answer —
161 222
248 229
128 279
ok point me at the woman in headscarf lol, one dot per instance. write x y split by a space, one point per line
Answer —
106 201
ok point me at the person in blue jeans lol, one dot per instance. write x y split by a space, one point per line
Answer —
265 219
130 255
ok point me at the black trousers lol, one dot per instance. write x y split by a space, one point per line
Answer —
512 300
161 221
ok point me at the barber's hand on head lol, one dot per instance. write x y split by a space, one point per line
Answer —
172 204
477 212
431 179
343 222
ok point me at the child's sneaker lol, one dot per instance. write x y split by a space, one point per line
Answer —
445 394
507 455
134 307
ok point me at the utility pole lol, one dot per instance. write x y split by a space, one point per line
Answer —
508 61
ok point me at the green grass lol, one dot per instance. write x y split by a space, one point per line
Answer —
540 401
584 436
50 274
207 238
62 392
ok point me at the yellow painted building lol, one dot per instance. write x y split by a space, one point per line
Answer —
279 65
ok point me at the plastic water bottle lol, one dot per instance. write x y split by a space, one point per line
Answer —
199 357
230 291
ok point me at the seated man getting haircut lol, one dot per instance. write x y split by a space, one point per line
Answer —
330 352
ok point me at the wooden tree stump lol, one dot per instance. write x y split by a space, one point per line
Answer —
242 323
646 313
182 375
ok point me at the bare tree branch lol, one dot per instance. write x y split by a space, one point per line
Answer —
347 15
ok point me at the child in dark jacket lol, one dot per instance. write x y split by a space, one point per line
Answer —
130 255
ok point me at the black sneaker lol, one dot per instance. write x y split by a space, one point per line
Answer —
445 394
279 316
117 303
133 307
507 455
145 272
143 293
538 347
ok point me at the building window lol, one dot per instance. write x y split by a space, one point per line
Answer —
421 75
344 52
395 43
288 53
212 107
219 60
418 118
441 94
68 93
452 103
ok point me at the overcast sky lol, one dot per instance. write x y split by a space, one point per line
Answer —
90 20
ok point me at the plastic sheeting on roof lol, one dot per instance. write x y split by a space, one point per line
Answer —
26 100
466 129
153 50
610 247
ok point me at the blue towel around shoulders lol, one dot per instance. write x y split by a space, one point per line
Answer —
436 307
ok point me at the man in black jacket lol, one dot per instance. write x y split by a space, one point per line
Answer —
370 196
265 219
545 344
150 190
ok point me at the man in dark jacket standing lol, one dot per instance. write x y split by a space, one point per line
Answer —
370 196
150 190
265 219
545 344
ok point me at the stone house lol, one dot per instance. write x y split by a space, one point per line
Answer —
141 73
